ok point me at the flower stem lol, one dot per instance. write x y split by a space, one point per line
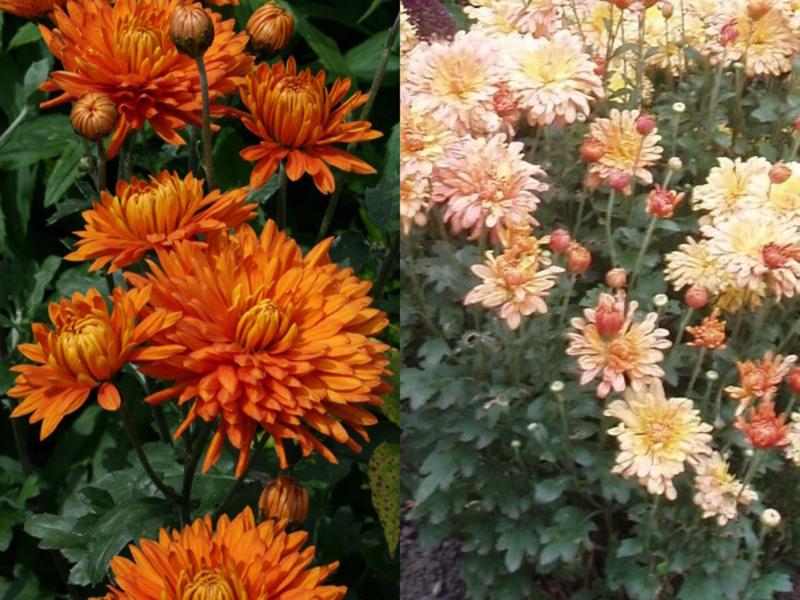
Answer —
131 429
609 237
192 149
209 159
677 345
101 166
125 168
696 371
365 110
753 559
14 124
283 186
190 468
240 480
386 268
648 236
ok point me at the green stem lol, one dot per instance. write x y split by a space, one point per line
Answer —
190 468
696 371
609 237
648 236
110 283
207 146
753 560
161 424
14 124
711 125
565 304
365 110
681 328
101 166
131 429
283 186
386 268
637 92
192 166
240 480
125 168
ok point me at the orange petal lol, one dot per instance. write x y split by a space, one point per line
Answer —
108 397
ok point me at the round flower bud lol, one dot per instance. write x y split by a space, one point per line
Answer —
557 386
87 164
282 498
609 320
618 180
660 300
533 427
94 116
578 259
712 375
770 518
645 124
560 241
679 107
516 444
616 278
592 149
748 453
794 380
191 29
674 163
757 9
696 297
666 9
270 28
728 34
779 173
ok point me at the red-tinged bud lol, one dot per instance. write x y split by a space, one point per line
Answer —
645 124
696 297
662 203
793 379
728 34
505 105
666 9
616 278
600 66
592 149
618 180
779 173
757 9
609 319
270 28
579 259
560 241
775 256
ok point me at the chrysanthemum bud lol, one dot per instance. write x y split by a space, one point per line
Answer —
674 163
87 164
770 518
779 173
516 444
712 375
618 180
94 116
599 65
592 149
696 297
560 241
609 319
616 278
282 498
660 300
578 259
775 256
645 124
270 28
679 107
533 426
557 386
666 9
793 379
191 29
758 9
662 203
728 34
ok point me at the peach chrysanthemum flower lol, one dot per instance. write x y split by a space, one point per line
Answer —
763 428
487 185
759 379
731 186
784 198
423 139
538 18
717 492
517 285
554 80
144 215
455 82
657 436
273 341
694 264
298 120
124 51
238 560
30 9
415 195
408 35
624 148
792 449
710 333
86 351
629 356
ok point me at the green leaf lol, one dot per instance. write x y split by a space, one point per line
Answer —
3 249
384 480
40 138
26 34
383 204
350 249
766 585
550 489
55 531
265 192
69 207
43 277
391 162
517 542
26 183
391 401
35 76
365 58
375 4
64 173
325 47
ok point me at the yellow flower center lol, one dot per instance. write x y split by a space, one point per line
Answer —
152 211
83 345
549 69
622 354
261 324
659 430
208 585
138 42
299 106
457 81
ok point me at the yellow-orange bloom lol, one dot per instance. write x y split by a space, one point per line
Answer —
30 9
124 51
145 215
270 28
282 498
297 119
238 560
86 351
272 340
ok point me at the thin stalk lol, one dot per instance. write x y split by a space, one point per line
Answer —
110 283
681 328
565 304
365 110
190 468
209 159
696 371
648 236
579 218
609 236
386 268
192 166
240 480
161 424
637 92
712 101
101 166
753 560
131 429
125 167
14 124
283 186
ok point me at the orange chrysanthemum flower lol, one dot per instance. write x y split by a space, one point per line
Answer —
272 340
238 560
297 118
763 428
123 50
30 9
86 351
710 333
145 215
759 379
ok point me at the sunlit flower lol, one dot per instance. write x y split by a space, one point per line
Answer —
539 18
143 215
717 492
657 436
517 285
631 356
553 79
415 195
731 186
625 149
455 82
238 560
30 9
86 352
123 50
693 264
710 333
759 379
297 119
273 340
487 185
763 428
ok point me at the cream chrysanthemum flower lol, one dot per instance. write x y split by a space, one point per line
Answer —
496 18
415 194
487 185
693 263
624 148
792 449
455 82
784 198
423 138
666 38
731 186
408 34
629 356
657 436
717 492
516 285
553 79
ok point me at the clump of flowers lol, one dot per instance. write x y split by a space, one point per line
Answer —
717 492
759 379
710 333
